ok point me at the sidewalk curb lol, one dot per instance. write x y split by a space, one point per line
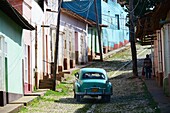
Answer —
15 106
11 108
25 100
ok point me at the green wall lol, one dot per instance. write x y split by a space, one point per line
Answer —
12 34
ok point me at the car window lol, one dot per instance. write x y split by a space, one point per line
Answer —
93 75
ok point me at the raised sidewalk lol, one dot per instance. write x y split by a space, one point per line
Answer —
14 106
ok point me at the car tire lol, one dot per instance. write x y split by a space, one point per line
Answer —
78 98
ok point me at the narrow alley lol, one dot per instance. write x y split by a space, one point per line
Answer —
129 93
45 43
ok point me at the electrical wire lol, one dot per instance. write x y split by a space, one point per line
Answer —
80 10
112 24
19 16
112 16
16 61
19 56
88 12
49 18
140 14
142 7
135 7
82 4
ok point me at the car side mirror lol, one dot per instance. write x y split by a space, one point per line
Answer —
76 75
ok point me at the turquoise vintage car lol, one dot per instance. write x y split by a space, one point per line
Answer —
93 82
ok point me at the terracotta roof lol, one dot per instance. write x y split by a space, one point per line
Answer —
15 15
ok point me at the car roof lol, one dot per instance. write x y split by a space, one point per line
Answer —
100 70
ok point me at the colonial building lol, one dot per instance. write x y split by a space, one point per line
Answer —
111 19
12 48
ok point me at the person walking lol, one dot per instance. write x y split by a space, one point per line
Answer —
147 64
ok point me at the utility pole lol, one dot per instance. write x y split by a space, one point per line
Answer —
36 49
56 44
132 38
98 30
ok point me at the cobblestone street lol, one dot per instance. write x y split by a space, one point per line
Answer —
130 94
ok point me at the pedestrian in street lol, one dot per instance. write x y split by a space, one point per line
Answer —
147 64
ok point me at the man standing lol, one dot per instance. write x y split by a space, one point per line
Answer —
148 67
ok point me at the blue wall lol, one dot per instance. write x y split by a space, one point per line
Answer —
111 34
84 8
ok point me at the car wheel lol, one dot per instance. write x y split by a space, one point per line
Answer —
78 98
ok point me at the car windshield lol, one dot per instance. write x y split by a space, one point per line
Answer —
93 75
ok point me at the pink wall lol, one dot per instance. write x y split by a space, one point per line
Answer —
27 88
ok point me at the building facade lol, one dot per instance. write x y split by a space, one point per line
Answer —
11 53
111 19
24 8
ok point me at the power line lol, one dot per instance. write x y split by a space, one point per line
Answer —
18 16
135 7
80 10
112 16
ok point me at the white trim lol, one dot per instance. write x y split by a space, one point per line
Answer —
2 64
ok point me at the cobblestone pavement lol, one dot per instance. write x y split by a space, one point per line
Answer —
129 93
